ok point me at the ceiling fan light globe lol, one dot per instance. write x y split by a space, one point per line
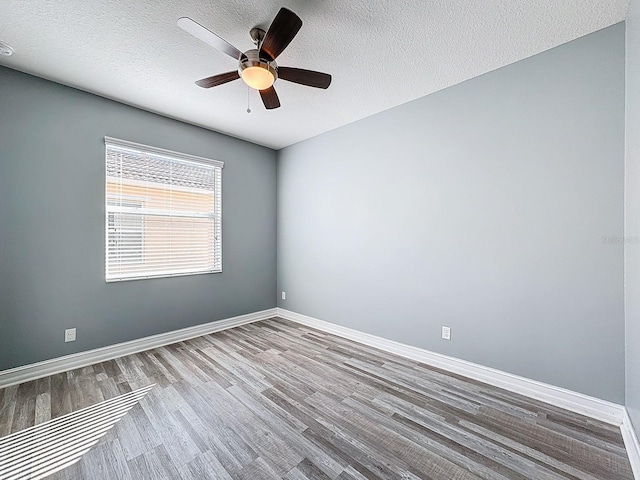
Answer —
258 78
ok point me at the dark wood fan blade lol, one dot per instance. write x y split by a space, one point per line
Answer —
207 36
305 77
270 98
282 30
218 79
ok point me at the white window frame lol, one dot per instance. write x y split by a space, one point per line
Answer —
216 215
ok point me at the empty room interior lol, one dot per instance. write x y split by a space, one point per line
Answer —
320 240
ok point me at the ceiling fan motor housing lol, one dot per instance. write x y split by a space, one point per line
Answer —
251 58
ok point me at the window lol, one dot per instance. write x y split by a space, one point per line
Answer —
163 212
125 234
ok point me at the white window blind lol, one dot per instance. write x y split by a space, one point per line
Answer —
163 212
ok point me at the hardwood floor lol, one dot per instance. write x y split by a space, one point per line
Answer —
276 399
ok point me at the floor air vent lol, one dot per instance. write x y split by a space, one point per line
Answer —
39 451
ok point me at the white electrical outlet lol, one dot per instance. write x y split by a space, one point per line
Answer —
446 333
284 295
70 335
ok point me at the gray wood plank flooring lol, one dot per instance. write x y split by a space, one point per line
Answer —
275 399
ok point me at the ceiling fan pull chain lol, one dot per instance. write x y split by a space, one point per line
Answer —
248 100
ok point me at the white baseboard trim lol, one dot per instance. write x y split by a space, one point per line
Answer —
576 402
34 371
631 444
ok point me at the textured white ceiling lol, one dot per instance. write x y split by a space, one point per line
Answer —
381 53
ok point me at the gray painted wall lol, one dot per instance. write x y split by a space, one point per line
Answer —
632 214
52 225
483 207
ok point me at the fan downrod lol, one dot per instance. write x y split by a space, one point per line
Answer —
257 35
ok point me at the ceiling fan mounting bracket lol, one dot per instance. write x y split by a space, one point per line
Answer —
257 35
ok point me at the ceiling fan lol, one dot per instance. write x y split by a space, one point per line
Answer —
257 67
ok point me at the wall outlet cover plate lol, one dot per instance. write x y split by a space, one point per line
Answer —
70 335
446 333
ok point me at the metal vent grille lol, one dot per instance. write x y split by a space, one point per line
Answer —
39 451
